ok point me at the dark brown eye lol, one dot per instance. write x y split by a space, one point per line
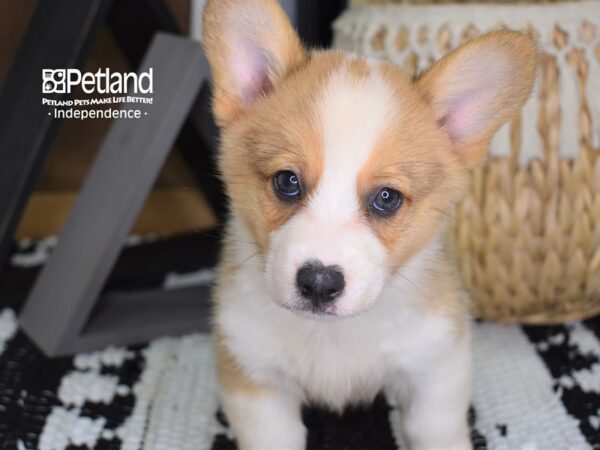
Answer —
386 202
287 185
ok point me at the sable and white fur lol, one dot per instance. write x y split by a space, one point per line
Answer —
347 126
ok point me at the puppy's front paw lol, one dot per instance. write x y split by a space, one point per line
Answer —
272 438
268 421
434 410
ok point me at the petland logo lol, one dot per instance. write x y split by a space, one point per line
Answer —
63 81
113 91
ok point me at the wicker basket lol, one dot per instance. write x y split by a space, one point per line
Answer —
528 232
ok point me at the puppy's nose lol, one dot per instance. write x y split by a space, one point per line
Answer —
318 283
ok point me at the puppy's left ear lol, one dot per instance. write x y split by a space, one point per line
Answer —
478 87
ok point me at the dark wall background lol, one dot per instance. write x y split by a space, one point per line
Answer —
315 18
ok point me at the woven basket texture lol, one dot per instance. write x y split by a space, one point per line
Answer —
527 235
426 2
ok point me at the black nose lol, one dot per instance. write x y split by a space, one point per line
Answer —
318 283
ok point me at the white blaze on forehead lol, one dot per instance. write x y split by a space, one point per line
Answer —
354 112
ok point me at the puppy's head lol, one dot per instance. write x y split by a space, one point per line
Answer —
342 168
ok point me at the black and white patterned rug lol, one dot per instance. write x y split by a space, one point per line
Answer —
535 388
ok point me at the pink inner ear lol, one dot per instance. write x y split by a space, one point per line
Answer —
251 71
465 117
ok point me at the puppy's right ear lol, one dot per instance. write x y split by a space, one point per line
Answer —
251 46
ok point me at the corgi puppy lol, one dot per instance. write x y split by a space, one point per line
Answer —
335 281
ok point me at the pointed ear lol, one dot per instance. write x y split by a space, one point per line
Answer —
251 46
478 87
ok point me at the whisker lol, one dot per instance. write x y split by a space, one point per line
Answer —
237 267
445 212
413 284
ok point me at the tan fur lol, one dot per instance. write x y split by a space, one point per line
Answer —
231 374
414 158
444 294
257 145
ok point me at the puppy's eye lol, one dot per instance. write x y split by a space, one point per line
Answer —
386 202
287 185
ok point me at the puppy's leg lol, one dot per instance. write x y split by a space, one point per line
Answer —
262 417
265 421
434 409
